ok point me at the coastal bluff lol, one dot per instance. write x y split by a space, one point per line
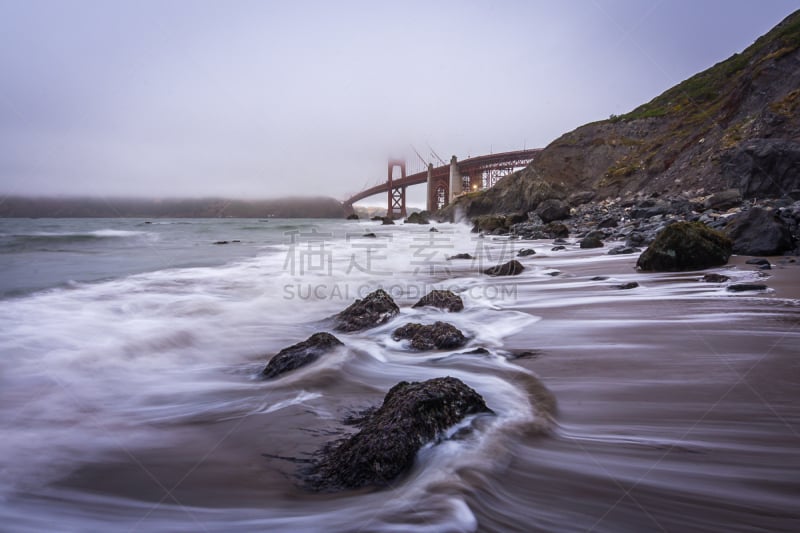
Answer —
733 126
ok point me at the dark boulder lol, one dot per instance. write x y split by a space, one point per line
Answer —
558 248
551 210
460 256
759 232
580 198
512 268
713 277
608 223
742 287
556 230
621 250
724 199
525 252
593 240
220 242
433 230
436 336
376 218
373 310
301 354
370 235
387 221
412 414
418 218
636 238
441 299
763 167
627 286
352 216
685 246
490 224
651 208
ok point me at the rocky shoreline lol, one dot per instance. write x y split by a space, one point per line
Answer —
764 227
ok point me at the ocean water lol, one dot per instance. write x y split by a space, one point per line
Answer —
130 398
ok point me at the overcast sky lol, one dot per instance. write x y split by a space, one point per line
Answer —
266 98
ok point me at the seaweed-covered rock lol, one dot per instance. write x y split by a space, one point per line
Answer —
374 309
441 299
412 414
685 246
759 232
301 354
512 268
497 224
556 230
436 336
489 223
418 218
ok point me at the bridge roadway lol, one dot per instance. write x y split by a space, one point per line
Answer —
467 167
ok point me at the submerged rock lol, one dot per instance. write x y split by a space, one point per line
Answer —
373 310
526 252
713 277
437 336
620 250
301 354
387 221
460 256
685 246
352 216
741 287
512 268
627 286
412 414
441 299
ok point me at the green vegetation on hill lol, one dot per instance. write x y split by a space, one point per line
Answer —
691 96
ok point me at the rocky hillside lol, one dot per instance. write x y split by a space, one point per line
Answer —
735 125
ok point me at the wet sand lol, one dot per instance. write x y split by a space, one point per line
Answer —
672 406
673 415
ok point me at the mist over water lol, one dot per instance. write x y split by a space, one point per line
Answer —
130 397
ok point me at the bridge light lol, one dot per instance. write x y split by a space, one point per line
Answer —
474 187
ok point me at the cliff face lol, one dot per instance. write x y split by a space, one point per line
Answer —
735 125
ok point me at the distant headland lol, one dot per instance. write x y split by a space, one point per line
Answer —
57 207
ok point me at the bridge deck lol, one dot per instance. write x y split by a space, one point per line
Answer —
481 162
